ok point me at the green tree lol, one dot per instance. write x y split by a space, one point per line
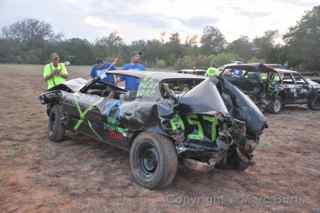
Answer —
223 58
154 51
31 31
9 51
242 46
212 40
32 40
109 46
173 48
264 45
303 41
77 51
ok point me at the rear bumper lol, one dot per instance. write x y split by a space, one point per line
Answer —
190 147
50 97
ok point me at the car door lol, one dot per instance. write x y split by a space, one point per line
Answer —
302 88
289 93
251 83
87 116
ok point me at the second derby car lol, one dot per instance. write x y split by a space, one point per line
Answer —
207 123
272 88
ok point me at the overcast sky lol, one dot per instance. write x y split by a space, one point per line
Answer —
146 19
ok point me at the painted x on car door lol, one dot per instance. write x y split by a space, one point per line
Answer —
87 117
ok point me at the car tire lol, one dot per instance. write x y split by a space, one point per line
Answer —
56 129
276 106
314 102
153 160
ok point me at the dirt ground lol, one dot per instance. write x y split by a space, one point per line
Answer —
81 175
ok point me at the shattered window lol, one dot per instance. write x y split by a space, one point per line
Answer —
180 86
287 79
254 75
276 77
299 79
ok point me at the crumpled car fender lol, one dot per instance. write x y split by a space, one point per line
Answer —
245 109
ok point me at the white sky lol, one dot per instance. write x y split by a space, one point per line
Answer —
146 19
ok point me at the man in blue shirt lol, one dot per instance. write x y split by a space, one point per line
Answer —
132 84
99 70
237 73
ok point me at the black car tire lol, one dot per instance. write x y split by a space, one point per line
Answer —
56 128
276 106
314 102
153 160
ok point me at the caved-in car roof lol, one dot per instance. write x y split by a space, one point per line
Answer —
159 76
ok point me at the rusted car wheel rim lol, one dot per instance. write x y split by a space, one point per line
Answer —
148 160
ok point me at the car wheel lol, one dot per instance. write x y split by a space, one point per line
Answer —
314 102
56 128
153 160
276 106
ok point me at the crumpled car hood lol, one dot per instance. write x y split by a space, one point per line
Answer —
245 109
75 84
204 98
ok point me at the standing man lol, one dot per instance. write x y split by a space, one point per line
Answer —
132 84
55 73
100 70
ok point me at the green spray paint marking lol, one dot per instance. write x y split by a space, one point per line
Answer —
113 124
94 131
147 87
198 133
215 123
82 115
177 124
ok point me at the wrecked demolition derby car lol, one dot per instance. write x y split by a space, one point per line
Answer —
207 123
272 88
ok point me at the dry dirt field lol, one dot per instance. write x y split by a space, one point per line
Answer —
81 175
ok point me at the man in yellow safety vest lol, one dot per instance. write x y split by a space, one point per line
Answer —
55 73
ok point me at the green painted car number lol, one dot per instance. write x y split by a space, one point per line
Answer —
198 132
214 126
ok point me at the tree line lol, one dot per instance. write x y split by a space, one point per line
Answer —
31 41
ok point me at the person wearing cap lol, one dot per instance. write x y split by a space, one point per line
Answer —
212 71
99 70
55 73
131 83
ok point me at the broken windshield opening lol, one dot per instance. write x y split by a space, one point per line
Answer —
178 86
